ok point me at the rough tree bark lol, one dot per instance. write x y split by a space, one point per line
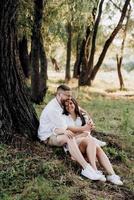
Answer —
69 41
17 116
23 55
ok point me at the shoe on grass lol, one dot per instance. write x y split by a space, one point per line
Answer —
102 178
115 179
90 173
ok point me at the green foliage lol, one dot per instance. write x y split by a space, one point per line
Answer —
58 13
25 18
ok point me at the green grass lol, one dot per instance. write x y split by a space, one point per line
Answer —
113 117
46 173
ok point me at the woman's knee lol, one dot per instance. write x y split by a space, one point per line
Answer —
99 150
90 141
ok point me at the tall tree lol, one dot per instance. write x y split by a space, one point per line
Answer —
93 46
92 70
17 116
83 56
38 55
76 71
87 67
119 57
68 58
108 43
43 69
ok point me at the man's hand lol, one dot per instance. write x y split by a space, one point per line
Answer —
91 124
69 134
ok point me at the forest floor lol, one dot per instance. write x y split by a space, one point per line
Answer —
39 172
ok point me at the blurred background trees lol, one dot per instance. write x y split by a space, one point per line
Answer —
76 35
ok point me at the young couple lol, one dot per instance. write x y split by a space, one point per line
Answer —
62 123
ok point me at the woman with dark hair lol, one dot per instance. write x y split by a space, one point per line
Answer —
76 118
81 119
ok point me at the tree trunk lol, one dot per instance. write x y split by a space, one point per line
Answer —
119 58
119 64
91 58
84 57
81 51
43 70
69 41
108 42
38 55
23 55
55 64
35 78
17 116
76 71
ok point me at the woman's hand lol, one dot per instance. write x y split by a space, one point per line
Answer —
69 134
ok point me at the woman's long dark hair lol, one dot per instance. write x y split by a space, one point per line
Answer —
77 111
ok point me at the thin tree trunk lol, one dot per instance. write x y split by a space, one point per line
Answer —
119 64
55 64
108 42
38 56
35 78
43 70
80 56
76 71
69 41
17 116
84 57
91 58
23 55
119 58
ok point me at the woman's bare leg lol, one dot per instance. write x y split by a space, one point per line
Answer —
104 161
73 149
88 146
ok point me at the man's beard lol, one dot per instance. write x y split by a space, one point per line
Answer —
63 102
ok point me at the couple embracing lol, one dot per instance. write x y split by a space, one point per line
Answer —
64 123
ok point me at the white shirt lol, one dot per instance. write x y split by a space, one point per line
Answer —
51 118
71 122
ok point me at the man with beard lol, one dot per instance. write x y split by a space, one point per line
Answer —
52 119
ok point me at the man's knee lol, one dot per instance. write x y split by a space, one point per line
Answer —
62 139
